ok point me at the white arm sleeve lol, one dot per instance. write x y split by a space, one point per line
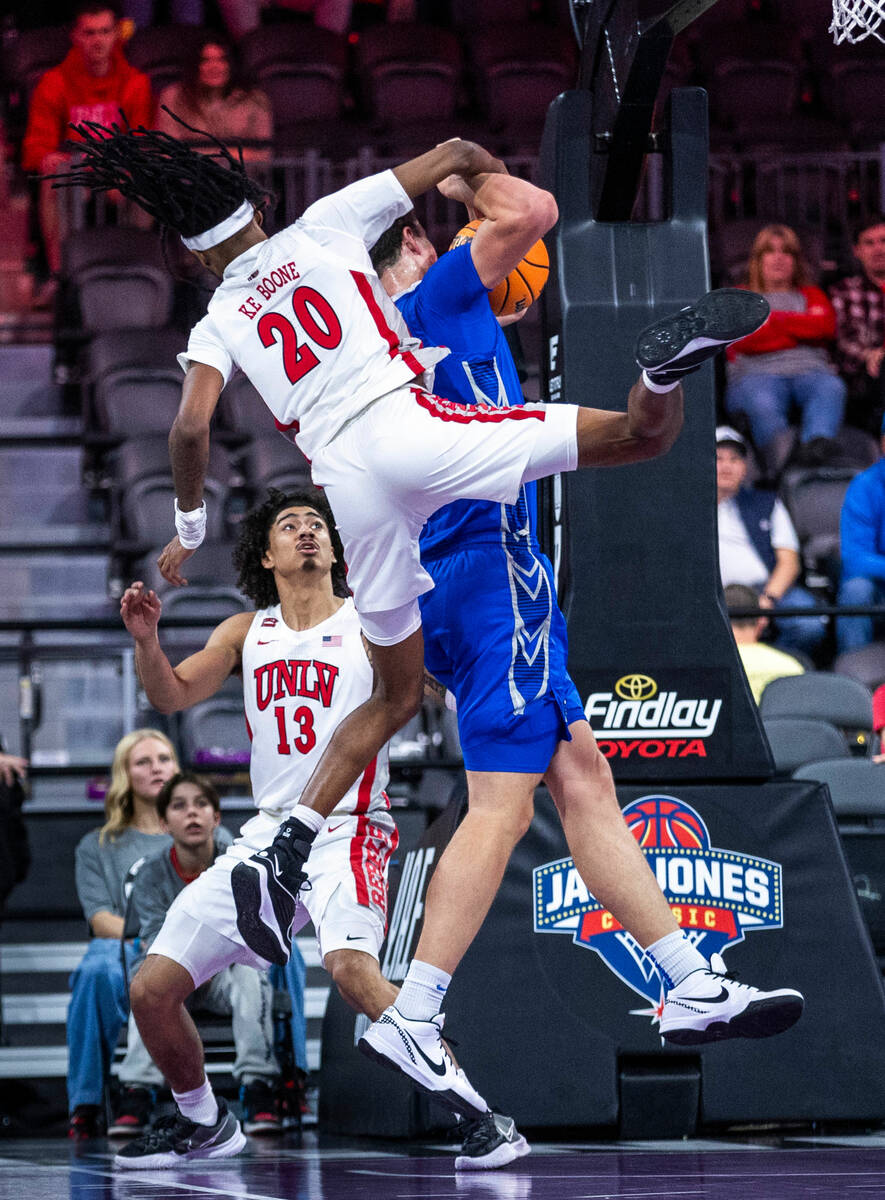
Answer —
205 346
363 209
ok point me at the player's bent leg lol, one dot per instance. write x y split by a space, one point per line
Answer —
157 995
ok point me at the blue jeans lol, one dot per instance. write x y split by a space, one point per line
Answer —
766 400
291 977
98 1010
799 633
854 632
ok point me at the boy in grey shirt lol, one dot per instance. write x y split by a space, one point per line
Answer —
189 809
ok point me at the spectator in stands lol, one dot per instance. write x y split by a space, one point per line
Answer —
862 535
758 546
190 812
93 83
761 662
106 860
859 301
785 364
15 855
212 97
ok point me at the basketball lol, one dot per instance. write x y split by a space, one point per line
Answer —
525 282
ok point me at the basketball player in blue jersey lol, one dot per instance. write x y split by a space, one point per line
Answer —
493 633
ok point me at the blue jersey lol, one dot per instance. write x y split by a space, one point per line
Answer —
450 307
493 632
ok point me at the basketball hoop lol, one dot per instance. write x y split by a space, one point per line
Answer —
854 20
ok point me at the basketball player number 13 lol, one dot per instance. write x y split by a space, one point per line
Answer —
315 317
307 738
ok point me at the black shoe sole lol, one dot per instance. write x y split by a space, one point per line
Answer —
246 887
724 316
450 1100
761 1019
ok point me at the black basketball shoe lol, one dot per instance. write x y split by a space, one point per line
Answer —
175 1139
265 889
490 1141
677 345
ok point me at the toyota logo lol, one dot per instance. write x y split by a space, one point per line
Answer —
636 687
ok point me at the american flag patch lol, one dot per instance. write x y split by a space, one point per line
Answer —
268 622
331 639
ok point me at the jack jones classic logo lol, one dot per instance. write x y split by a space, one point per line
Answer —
716 895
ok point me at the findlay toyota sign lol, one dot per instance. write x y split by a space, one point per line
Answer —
677 715
716 895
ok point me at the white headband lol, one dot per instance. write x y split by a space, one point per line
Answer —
223 230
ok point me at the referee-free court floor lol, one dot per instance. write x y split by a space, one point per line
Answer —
312 1168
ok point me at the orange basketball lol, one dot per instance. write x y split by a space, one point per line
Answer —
523 285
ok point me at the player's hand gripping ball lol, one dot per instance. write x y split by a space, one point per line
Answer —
525 282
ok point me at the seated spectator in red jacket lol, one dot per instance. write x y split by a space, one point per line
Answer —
859 301
93 83
211 97
785 365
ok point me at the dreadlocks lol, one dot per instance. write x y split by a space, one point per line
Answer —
185 190
253 540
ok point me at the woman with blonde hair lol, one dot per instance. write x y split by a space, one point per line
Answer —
785 365
106 862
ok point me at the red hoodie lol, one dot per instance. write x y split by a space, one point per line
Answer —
784 330
68 93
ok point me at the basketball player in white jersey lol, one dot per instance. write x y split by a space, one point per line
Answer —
304 667
304 316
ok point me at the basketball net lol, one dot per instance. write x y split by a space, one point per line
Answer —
853 20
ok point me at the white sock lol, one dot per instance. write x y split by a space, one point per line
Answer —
308 816
675 957
660 388
423 991
199 1105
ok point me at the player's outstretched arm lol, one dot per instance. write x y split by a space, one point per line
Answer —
189 454
197 677
455 157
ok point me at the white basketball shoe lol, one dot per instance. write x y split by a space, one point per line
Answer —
416 1049
710 1006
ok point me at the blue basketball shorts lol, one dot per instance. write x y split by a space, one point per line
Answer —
503 656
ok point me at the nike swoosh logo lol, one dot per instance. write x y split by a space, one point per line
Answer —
724 994
436 1068
354 937
267 643
332 828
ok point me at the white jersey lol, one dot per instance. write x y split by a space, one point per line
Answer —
298 686
306 319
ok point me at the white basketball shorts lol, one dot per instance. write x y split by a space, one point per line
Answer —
347 899
410 453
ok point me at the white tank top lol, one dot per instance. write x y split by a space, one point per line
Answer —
306 319
298 686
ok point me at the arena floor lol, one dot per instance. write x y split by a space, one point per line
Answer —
773 1168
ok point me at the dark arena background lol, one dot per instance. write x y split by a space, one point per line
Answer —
757 846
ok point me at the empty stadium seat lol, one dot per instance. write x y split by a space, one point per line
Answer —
134 380
824 696
242 411
409 73
814 498
798 740
519 69
142 492
117 278
214 732
32 54
867 664
273 461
